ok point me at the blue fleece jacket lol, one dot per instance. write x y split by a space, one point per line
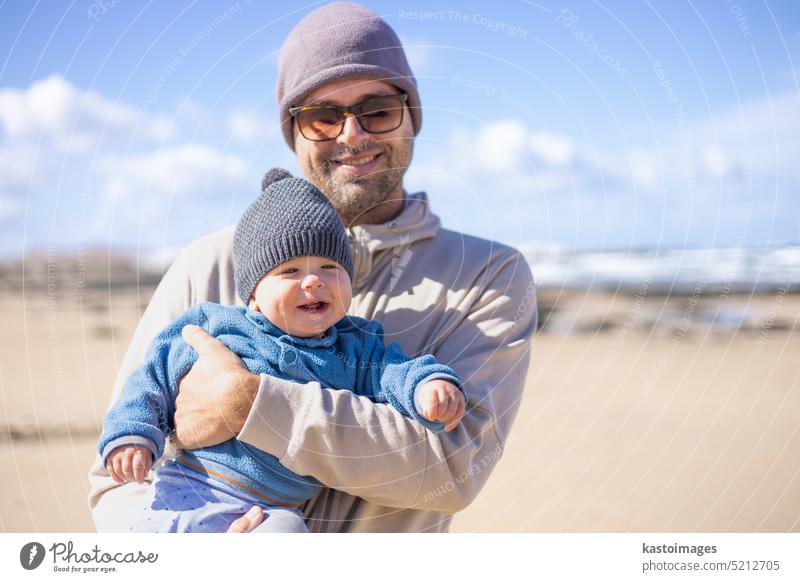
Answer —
348 356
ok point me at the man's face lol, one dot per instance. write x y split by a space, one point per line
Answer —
360 173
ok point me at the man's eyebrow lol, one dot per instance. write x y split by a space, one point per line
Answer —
329 103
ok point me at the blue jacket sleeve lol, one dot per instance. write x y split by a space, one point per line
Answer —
144 413
391 376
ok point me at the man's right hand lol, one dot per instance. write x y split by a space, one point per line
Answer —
215 397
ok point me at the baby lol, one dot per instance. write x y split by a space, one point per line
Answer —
292 267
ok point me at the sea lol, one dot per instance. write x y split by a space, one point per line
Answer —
762 269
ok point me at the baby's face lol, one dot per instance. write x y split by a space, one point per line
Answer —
304 296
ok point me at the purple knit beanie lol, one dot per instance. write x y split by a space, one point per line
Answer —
341 41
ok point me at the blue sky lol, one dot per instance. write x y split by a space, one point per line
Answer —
581 124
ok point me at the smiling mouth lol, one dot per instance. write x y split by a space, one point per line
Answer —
316 307
355 162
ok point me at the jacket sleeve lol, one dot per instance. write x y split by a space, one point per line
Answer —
144 413
372 451
387 375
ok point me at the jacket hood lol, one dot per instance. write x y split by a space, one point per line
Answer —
367 241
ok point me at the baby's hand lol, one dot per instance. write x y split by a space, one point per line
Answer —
129 463
441 401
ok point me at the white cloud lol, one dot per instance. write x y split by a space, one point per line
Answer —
249 127
23 165
56 110
170 196
177 171
509 146
644 168
8 208
419 53
771 115
556 150
762 132
501 146
737 168
100 170
551 182
715 162
759 136
191 111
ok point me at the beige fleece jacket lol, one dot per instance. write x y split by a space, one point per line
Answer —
469 302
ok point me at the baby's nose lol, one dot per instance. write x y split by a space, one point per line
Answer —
312 281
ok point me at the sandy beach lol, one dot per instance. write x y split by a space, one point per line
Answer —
641 413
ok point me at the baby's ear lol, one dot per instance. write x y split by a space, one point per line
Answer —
252 305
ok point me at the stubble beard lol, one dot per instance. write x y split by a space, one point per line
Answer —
362 199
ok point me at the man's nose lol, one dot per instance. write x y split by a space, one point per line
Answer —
352 132
311 281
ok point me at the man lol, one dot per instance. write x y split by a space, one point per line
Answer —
350 110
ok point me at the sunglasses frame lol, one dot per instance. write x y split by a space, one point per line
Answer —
347 110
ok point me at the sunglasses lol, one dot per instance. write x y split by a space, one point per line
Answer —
375 115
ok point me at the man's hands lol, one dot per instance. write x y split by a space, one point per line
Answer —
129 463
441 401
215 397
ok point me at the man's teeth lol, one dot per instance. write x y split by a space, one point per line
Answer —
360 162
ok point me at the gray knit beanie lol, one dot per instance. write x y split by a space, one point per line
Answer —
291 218
341 41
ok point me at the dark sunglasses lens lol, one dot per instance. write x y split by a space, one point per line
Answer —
320 124
381 115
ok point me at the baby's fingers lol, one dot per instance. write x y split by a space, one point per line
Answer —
126 466
452 406
119 467
431 410
110 468
141 464
430 403
458 414
443 398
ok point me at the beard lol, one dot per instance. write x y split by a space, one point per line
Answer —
362 198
